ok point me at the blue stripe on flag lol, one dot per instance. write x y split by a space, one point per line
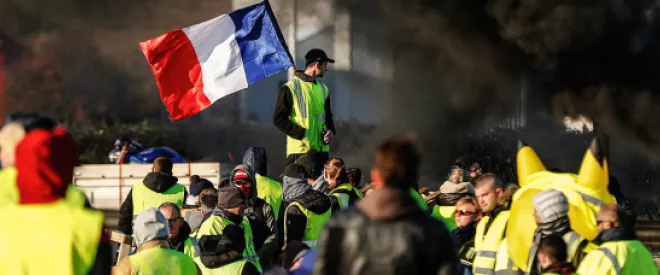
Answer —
263 50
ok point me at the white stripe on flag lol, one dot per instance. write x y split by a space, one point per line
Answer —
219 56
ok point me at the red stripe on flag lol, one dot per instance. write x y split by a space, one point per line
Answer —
178 74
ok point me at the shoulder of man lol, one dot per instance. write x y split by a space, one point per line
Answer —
347 218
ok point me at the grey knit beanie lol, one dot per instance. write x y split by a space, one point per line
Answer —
551 205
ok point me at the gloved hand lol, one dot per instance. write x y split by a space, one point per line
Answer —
327 138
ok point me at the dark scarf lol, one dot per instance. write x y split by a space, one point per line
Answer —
464 234
616 234
558 227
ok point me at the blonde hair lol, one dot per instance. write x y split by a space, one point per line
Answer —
10 135
468 201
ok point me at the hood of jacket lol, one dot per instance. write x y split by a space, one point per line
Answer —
159 182
150 225
253 178
256 158
388 203
293 188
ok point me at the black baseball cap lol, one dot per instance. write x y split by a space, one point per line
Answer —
315 55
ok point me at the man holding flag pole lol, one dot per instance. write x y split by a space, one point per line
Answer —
303 110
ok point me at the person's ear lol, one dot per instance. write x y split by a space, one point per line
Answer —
376 178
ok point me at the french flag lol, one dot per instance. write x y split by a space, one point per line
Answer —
200 64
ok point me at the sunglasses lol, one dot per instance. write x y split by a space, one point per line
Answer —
173 220
465 212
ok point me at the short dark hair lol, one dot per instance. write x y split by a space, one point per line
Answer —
489 178
398 163
208 199
554 247
174 207
163 164
354 176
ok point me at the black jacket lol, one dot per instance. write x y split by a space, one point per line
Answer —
296 221
464 240
226 254
178 243
282 113
386 233
156 181
262 220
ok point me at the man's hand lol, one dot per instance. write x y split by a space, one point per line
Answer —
328 137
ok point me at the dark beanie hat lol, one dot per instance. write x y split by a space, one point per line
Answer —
230 197
308 161
198 184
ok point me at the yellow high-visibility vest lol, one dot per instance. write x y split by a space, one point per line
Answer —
314 224
270 191
144 198
54 238
488 243
308 112
620 258
445 214
345 199
157 260
215 225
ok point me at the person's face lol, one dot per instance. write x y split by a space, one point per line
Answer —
245 186
475 170
321 68
544 260
174 222
466 214
238 210
487 197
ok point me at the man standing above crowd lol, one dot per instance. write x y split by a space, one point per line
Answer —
387 233
303 110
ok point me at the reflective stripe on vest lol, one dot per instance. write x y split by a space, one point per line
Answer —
314 224
215 225
609 255
308 111
342 199
573 241
271 192
504 265
233 268
144 198
158 260
52 238
191 247
314 243
484 262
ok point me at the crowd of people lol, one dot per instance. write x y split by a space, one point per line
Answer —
314 218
